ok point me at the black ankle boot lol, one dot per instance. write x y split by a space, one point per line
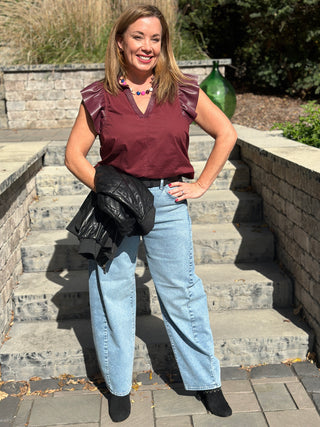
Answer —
215 402
119 407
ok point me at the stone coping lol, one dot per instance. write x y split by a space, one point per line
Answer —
100 66
272 143
16 158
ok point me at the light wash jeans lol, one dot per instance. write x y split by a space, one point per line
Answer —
183 302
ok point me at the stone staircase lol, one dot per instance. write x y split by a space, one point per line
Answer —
249 297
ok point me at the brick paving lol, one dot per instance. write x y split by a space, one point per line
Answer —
267 395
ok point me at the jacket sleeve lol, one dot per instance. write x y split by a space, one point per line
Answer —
93 98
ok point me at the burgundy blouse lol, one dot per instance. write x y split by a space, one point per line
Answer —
153 144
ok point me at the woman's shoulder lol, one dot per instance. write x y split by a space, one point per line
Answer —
93 89
93 98
188 93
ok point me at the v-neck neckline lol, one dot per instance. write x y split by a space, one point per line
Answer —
135 106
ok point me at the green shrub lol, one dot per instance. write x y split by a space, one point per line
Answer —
307 130
274 44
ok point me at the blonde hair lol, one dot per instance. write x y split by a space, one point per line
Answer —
167 73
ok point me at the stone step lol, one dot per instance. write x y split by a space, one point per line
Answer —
57 180
56 250
242 337
64 295
55 212
199 149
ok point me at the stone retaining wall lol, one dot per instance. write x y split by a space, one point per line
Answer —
287 176
16 194
44 96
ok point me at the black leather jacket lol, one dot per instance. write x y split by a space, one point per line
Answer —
121 206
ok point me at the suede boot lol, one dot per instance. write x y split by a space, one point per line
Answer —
215 402
119 407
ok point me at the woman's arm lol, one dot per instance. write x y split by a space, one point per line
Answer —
211 119
79 143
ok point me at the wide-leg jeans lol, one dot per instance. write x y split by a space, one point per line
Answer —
169 251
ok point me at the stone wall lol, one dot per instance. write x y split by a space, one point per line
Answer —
3 113
44 96
17 190
287 176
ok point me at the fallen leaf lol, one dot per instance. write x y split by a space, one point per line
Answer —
24 390
135 386
150 375
290 361
35 379
3 395
90 387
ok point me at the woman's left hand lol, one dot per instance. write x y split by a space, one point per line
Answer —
184 190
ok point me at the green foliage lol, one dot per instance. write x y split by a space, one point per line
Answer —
307 130
274 44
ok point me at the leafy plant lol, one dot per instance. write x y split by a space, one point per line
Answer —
274 44
307 130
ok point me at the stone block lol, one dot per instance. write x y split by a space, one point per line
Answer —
170 403
16 117
72 94
71 114
271 371
39 85
68 104
293 418
17 124
182 421
14 86
67 84
253 419
311 265
236 386
8 408
243 402
233 373
301 237
23 413
303 201
16 105
41 95
274 397
66 410
300 396
41 105
315 247
14 77
293 213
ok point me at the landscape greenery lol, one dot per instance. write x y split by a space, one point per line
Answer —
274 44
307 129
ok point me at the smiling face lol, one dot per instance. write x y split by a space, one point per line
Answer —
141 45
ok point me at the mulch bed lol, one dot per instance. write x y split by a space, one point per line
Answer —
263 111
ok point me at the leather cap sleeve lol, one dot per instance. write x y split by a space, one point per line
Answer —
94 101
188 96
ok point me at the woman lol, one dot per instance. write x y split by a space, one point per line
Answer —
142 112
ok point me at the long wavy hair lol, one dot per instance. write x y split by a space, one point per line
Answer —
166 72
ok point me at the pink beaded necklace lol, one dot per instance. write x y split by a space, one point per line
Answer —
123 82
